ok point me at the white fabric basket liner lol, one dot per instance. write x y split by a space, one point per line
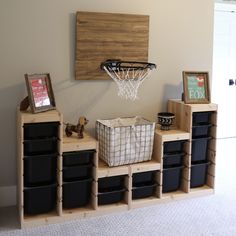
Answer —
125 140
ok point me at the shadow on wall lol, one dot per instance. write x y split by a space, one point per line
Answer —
10 97
84 100
171 91
72 41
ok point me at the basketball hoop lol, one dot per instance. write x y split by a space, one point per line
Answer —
128 75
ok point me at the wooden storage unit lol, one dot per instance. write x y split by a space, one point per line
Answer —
185 115
73 144
128 170
31 146
154 166
104 171
100 171
131 175
63 145
169 137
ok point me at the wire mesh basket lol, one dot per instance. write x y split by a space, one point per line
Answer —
125 140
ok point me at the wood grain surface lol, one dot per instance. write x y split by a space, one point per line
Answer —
102 36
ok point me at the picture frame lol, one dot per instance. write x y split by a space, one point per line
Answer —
196 87
40 92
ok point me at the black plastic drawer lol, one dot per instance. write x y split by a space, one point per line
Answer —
143 177
115 182
198 174
71 173
78 158
199 149
77 193
202 130
173 146
40 146
143 191
38 200
173 159
171 179
41 130
113 196
40 170
201 117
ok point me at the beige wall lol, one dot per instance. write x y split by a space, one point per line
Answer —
38 36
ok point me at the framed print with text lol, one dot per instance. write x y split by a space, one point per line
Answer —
196 87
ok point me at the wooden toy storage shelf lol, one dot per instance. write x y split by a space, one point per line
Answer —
39 139
173 137
129 174
200 120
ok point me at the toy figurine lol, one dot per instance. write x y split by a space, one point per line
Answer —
79 128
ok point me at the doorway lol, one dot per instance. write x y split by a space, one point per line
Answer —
224 68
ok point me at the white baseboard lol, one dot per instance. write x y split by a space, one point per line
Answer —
7 196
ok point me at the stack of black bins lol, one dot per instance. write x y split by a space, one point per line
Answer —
200 141
144 184
111 189
40 167
172 165
77 178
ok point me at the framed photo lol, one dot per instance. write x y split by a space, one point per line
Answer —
40 93
196 87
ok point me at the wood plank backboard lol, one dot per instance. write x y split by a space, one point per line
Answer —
102 36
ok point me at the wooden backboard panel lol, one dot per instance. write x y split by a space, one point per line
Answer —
102 36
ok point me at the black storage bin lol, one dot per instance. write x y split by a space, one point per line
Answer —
143 190
115 182
77 193
112 196
202 130
198 174
41 130
143 177
173 146
71 173
78 158
199 149
171 160
40 146
40 170
39 200
201 117
171 179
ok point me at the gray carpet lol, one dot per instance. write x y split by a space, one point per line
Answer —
211 215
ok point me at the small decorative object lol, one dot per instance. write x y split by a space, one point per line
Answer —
40 93
165 119
79 128
196 87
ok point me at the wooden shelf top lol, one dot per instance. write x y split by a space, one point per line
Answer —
46 116
197 107
145 166
105 171
73 143
172 134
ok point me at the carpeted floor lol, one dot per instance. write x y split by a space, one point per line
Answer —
211 215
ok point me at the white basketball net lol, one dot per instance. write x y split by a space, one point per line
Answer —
128 80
